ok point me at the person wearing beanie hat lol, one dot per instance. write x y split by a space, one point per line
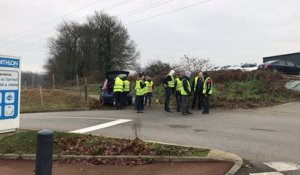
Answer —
185 93
169 84
197 88
207 91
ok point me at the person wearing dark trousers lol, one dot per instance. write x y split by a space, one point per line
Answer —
144 92
118 91
197 88
207 92
126 90
139 93
169 84
178 84
150 88
185 93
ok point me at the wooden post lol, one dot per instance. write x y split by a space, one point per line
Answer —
77 81
32 80
25 84
53 81
85 89
41 93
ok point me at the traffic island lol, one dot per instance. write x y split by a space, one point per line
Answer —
85 151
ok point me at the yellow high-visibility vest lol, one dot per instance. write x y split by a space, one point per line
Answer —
118 86
149 86
138 89
178 84
205 86
183 92
126 86
195 85
171 83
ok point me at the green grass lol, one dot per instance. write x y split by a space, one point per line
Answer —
92 89
24 142
54 100
252 92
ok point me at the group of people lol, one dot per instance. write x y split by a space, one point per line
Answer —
121 88
143 92
181 85
200 88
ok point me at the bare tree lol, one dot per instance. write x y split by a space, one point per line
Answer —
195 64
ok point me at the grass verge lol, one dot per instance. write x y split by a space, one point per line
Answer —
24 142
54 100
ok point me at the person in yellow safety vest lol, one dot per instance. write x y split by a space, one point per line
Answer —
139 92
126 90
197 88
185 93
149 88
169 84
207 91
178 84
118 91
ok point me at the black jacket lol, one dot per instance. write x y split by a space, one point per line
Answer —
185 81
199 87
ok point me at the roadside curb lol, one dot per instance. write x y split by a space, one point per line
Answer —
216 155
227 156
213 155
154 158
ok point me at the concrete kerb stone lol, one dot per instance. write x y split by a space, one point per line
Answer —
10 156
213 155
227 156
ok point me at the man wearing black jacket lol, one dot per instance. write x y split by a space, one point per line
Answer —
139 93
185 93
169 84
197 88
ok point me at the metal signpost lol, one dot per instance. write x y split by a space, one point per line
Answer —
10 81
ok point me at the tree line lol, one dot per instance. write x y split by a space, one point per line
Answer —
90 49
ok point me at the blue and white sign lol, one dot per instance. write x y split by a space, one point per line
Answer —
10 77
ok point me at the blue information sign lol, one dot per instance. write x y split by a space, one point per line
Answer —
10 76
9 62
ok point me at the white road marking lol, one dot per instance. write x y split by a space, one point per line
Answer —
271 173
283 166
91 118
101 126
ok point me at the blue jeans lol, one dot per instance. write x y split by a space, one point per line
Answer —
148 97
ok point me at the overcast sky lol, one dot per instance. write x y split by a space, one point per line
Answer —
225 31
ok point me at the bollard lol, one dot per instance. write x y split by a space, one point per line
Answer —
43 164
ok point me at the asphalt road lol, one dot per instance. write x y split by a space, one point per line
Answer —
265 134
